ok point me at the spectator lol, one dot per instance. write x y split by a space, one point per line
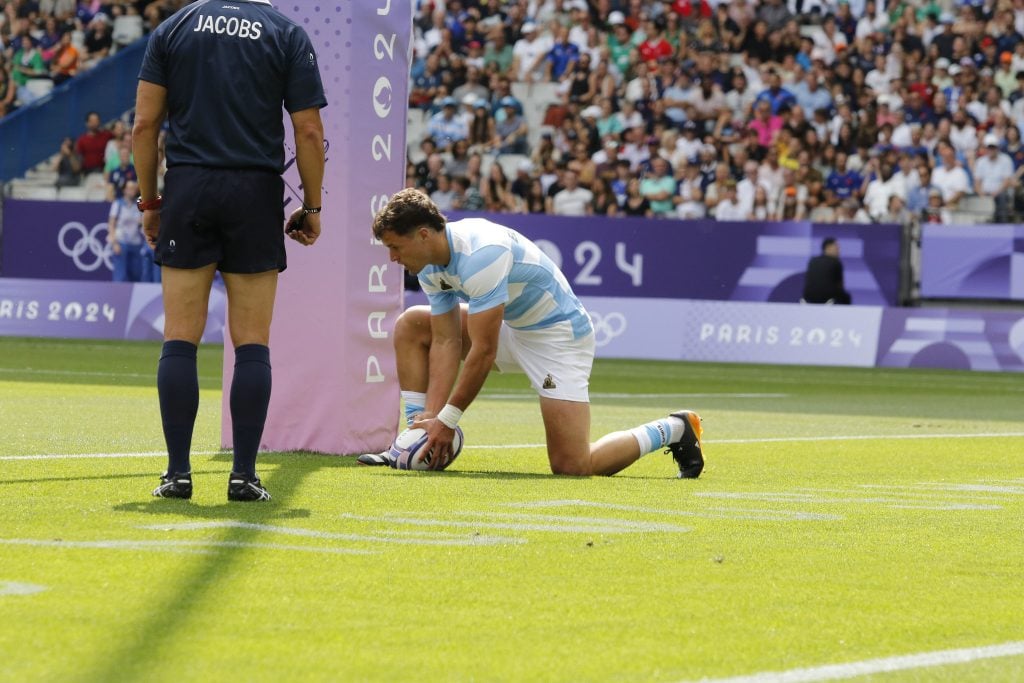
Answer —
842 183
8 91
690 198
535 198
561 55
573 200
729 207
659 187
65 60
444 195
466 197
123 173
124 234
935 210
92 144
511 131
896 212
98 40
851 211
528 54
524 179
950 177
775 95
27 64
446 126
603 202
497 192
994 176
68 165
635 204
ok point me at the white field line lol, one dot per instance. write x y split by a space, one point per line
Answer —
529 394
836 672
508 446
94 373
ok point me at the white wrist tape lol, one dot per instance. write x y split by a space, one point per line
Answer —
449 416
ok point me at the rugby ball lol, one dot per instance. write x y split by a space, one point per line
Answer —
405 451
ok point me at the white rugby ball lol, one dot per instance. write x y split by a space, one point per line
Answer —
405 450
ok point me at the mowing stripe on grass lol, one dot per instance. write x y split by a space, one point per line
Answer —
835 672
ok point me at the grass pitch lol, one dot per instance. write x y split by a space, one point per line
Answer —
846 517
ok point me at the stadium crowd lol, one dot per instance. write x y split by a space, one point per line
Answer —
45 43
824 110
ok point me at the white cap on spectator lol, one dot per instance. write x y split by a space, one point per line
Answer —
941 63
611 144
991 140
954 70
817 54
526 166
883 100
593 111
469 99
615 18
581 5
529 27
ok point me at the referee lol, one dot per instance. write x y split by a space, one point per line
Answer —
220 73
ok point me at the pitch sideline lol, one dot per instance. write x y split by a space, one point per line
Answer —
804 439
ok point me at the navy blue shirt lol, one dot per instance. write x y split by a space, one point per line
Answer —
229 66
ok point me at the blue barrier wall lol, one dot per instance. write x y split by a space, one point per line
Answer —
33 133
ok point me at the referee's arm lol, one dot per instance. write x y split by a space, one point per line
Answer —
150 111
309 159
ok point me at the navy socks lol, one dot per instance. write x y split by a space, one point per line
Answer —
250 396
177 383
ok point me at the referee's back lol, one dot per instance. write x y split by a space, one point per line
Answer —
228 66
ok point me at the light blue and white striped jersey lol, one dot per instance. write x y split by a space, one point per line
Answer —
492 265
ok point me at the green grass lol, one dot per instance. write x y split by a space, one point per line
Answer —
798 547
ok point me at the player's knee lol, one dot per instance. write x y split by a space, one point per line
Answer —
413 325
570 468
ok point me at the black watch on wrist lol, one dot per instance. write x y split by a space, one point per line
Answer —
310 209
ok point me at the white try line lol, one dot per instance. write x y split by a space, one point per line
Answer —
511 446
836 672
529 394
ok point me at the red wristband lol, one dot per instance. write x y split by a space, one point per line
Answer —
151 205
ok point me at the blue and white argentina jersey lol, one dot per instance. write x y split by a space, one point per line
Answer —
493 265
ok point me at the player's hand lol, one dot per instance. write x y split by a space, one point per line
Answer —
151 227
303 227
439 442
115 248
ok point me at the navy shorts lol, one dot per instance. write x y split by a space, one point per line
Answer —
231 217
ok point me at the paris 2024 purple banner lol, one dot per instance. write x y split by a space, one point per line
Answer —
972 262
707 259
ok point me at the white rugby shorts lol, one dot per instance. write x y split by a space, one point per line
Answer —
557 365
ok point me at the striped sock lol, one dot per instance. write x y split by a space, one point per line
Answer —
658 434
414 402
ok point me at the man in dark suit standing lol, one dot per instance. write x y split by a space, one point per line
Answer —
823 283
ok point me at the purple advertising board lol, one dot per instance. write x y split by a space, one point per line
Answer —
742 261
734 332
956 339
56 240
972 262
93 310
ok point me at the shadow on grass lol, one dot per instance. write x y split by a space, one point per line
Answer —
210 576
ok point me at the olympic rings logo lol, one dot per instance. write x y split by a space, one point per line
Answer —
607 327
89 252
